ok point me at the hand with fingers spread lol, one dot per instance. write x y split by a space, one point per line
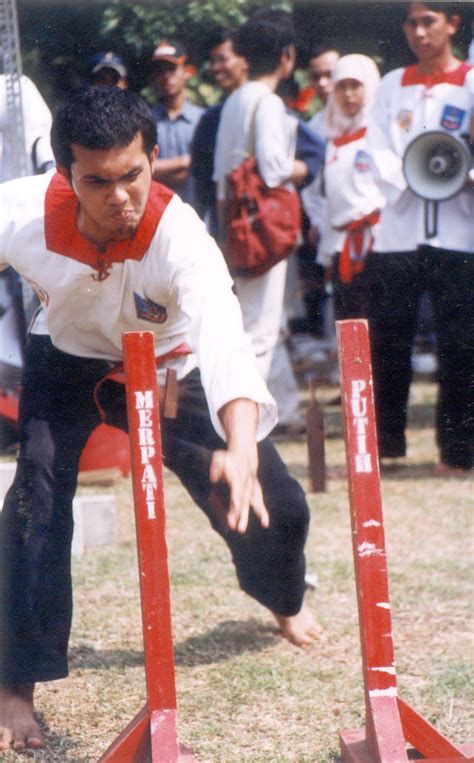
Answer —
237 466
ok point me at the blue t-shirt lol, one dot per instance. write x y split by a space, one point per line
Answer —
174 138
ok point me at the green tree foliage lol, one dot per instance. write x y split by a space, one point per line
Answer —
140 26
137 28
58 38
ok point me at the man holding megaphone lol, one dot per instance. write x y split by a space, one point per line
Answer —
419 140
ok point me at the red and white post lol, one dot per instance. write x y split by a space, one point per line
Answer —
390 722
152 736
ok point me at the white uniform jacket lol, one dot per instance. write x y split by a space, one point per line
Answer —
409 103
350 190
170 278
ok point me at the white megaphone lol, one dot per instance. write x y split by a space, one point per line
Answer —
436 167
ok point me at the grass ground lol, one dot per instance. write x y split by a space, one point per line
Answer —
244 694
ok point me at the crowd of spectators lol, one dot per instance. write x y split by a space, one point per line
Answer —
355 202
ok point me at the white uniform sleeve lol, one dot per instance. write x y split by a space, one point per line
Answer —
37 122
199 278
386 163
274 141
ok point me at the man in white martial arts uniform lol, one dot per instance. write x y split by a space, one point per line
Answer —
109 251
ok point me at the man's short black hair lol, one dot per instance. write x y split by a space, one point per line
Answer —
218 37
263 39
100 117
319 50
449 9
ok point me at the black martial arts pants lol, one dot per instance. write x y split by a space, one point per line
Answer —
350 299
57 415
396 283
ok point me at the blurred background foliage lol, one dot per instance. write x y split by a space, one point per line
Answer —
59 37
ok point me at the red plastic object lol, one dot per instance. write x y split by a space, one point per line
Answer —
106 448
152 736
8 406
389 722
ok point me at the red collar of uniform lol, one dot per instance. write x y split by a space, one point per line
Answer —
343 139
63 237
413 76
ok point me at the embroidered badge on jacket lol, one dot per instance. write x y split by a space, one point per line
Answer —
147 310
362 161
452 117
405 119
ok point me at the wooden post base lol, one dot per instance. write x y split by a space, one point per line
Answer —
135 744
354 749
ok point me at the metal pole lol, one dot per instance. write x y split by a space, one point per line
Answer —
14 134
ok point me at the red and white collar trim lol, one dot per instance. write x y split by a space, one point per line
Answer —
342 140
413 76
63 237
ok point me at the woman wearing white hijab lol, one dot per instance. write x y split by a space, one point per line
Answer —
353 199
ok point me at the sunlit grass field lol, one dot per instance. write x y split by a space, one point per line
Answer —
244 694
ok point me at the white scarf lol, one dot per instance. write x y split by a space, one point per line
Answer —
364 70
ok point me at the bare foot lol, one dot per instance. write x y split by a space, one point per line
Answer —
18 728
301 629
444 470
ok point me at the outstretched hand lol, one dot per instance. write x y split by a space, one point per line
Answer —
239 472
237 466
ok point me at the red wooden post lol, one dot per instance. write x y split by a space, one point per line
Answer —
390 722
152 736
380 681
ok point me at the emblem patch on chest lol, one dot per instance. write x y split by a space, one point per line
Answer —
405 119
147 310
362 161
452 117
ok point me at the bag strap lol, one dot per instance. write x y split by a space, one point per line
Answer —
252 129
250 150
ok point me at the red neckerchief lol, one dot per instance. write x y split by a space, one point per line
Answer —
413 76
63 237
350 266
343 139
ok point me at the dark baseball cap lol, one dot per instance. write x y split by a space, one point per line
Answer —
109 61
169 50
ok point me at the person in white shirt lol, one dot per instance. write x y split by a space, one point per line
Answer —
353 200
39 156
37 125
436 93
266 41
109 251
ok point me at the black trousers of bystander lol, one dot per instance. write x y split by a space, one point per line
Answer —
396 283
